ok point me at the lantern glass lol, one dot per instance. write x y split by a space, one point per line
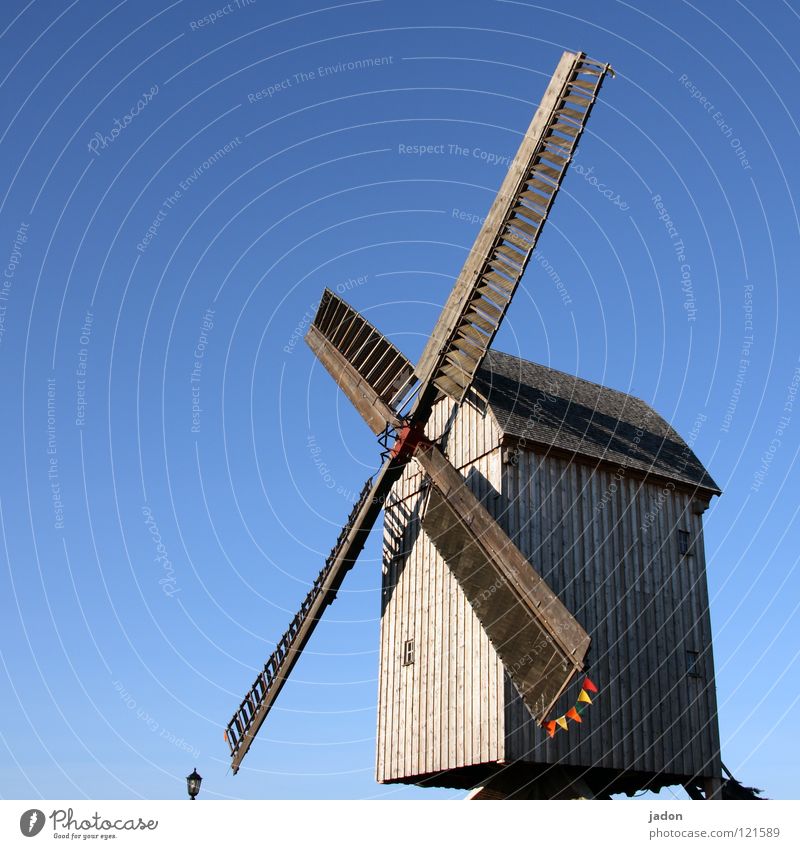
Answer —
193 784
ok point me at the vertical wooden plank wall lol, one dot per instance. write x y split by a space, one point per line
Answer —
446 709
608 545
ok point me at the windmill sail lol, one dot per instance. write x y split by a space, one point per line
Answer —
253 710
368 368
492 271
539 641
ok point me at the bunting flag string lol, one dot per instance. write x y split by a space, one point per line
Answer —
574 713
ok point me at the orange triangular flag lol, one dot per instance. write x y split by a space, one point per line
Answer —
225 736
562 722
551 727
588 685
573 714
583 696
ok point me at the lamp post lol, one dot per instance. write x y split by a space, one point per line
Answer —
193 783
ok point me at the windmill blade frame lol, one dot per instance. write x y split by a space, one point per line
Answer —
254 708
494 267
367 367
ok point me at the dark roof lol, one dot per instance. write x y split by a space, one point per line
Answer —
551 408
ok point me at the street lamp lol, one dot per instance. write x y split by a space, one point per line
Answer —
193 783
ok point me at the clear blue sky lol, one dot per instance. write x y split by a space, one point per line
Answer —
119 671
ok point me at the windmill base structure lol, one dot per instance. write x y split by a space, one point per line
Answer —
537 528
606 499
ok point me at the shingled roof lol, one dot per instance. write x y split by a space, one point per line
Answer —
550 408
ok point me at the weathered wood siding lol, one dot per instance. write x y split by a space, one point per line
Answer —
609 547
446 709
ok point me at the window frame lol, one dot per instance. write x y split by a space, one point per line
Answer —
693 666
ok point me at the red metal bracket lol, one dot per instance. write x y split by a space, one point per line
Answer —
408 439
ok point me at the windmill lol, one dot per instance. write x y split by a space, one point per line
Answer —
448 531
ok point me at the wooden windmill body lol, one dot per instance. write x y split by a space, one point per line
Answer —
606 500
510 546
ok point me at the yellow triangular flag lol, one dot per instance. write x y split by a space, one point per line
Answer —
562 721
584 697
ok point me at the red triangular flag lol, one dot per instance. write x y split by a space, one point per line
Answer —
551 727
588 685
573 714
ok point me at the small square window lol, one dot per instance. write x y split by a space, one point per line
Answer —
685 542
408 652
693 668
